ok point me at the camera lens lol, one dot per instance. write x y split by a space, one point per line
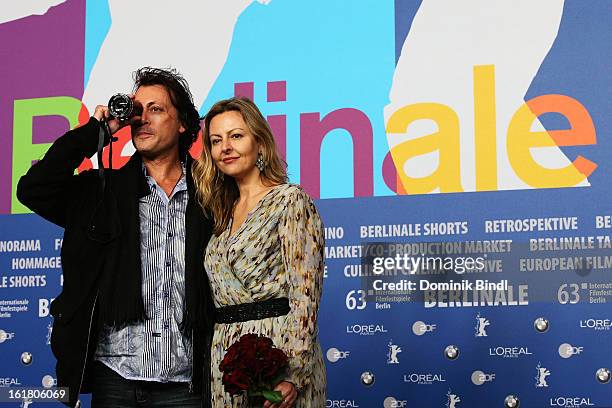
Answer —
121 106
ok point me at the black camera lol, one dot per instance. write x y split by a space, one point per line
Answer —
122 107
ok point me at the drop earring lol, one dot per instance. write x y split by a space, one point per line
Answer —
259 163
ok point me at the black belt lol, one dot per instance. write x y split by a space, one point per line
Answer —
252 311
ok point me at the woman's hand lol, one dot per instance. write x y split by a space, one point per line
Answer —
289 393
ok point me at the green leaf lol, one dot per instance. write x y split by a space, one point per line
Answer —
273 396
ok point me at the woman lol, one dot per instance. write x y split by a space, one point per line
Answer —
266 253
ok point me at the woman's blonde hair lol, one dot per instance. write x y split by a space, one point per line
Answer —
217 193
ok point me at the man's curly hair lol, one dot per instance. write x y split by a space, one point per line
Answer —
181 98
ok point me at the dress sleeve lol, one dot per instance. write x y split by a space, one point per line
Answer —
302 247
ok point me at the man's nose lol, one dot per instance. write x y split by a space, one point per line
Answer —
135 118
140 119
144 116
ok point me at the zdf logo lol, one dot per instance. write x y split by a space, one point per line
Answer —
566 350
48 381
420 328
479 378
333 354
4 336
391 402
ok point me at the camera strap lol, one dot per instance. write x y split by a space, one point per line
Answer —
104 134
101 136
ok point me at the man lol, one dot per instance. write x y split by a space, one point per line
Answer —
133 322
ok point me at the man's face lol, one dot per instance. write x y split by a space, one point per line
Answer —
156 132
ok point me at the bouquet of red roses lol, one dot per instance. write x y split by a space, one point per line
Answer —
254 365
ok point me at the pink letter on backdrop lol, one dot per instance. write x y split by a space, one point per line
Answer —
313 131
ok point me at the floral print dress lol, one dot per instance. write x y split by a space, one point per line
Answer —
277 252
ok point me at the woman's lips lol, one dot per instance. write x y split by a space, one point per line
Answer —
229 160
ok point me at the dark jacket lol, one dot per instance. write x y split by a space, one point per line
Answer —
101 255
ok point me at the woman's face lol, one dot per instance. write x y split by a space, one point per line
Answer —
233 147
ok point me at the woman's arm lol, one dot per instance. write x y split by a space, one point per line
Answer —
302 247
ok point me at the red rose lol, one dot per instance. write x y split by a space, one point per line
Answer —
248 340
235 382
273 363
278 356
229 361
252 364
241 380
264 343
